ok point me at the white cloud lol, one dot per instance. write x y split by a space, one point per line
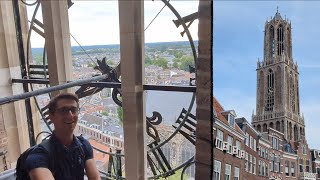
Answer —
97 22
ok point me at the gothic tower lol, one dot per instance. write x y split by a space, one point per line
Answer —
277 103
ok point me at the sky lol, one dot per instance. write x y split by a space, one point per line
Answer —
97 22
238 43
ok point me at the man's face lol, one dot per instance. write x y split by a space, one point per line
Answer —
65 117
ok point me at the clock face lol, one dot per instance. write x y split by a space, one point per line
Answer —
162 155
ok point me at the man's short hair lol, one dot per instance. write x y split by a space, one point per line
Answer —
53 102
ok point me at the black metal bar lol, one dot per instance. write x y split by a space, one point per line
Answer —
38 66
38 31
116 85
37 22
170 88
27 95
105 84
31 81
39 72
15 4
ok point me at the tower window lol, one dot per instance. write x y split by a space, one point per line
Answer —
280 43
272 43
270 91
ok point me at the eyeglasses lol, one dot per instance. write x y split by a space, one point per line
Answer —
65 111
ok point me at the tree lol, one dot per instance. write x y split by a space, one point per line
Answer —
147 61
38 59
110 62
105 113
120 114
175 65
185 62
91 64
178 54
161 62
176 176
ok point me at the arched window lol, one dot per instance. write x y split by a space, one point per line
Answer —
271 125
290 131
295 131
271 40
278 86
270 91
167 152
292 93
278 126
260 105
280 38
259 128
186 153
264 127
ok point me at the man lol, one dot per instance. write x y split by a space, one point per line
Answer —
71 154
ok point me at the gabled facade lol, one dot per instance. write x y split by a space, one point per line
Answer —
315 157
229 145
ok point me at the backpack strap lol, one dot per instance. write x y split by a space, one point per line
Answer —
80 139
49 148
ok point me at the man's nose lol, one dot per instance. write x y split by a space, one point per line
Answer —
70 113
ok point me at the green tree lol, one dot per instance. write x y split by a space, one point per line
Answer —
120 114
175 65
178 54
161 62
176 176
105 113
147 61
38 59
110 62
185 62
91 64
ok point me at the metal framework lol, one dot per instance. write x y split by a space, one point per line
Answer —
109 78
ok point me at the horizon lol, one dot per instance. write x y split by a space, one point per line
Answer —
195 41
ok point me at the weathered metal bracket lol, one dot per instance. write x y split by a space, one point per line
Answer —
161 160
189 126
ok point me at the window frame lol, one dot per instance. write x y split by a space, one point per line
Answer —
227 173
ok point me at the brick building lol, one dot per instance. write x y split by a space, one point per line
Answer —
315 155
229 144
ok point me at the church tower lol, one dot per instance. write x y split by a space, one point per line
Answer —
278 104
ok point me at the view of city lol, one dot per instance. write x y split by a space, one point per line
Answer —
168 89
100 117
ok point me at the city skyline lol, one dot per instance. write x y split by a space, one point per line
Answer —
238 43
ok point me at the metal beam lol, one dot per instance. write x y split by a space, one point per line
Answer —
116 85
27 95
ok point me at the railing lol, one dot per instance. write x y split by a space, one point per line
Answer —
8 175
266 116
308 176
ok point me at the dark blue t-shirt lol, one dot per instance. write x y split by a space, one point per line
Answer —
69 162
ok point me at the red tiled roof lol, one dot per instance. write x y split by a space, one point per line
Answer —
219 109
99 156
